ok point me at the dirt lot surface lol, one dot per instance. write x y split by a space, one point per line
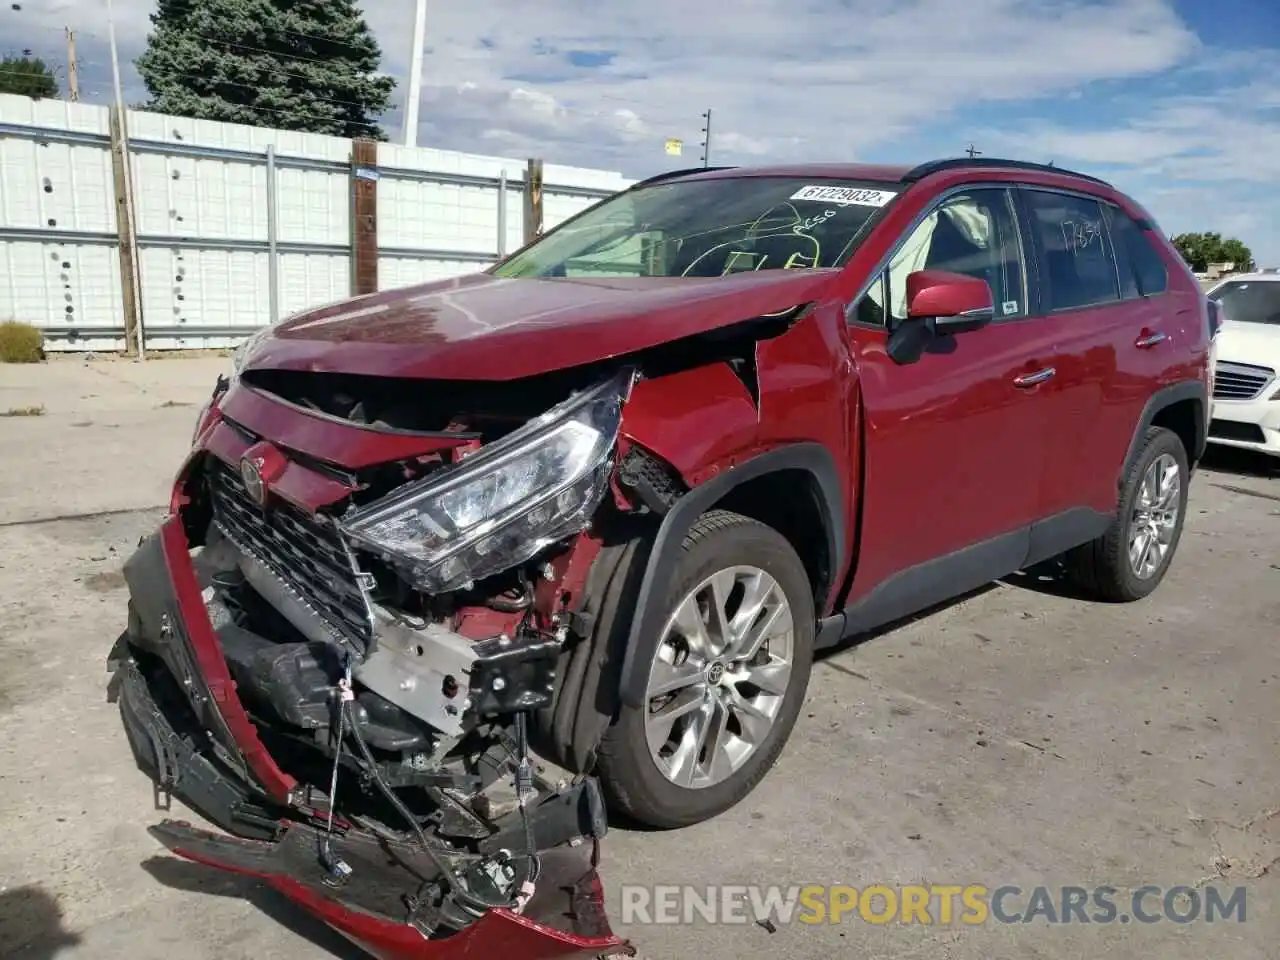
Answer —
1019 737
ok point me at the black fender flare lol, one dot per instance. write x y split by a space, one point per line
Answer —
1160 400
813 458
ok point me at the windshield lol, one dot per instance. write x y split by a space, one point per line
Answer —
1250 301
708 228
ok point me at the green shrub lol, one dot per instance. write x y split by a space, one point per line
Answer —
20 343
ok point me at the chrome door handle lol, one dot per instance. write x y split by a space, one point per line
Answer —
1150 340
1031 379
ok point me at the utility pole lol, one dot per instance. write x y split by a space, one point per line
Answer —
126 212
706 137
73 73
973 151
414 98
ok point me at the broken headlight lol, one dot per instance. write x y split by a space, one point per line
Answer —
503 504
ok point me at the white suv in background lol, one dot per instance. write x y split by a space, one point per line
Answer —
1246 393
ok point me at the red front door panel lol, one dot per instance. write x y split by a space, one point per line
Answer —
954 449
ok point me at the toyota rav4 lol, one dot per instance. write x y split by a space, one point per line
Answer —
452 569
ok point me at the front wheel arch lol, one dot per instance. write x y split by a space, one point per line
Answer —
811 458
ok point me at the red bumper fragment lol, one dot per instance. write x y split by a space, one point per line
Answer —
169 621
564 919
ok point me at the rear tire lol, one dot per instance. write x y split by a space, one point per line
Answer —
720 691
1130 560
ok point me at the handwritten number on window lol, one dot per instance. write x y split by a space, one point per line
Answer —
1078 236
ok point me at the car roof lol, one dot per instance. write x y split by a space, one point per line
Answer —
820 171
874 172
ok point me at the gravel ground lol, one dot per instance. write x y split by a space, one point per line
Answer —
1018 737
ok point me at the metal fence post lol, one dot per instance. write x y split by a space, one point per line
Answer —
273 238
502 214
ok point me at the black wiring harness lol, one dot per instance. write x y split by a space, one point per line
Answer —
455 885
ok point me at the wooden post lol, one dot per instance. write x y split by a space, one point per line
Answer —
73 69
124 230
533 201
364 216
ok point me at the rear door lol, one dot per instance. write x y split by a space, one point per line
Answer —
954 443
1108 333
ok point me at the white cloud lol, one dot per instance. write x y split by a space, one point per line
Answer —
815 79
784 79
1203 161
782 76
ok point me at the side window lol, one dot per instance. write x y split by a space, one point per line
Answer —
1076 255
974 233
1149 273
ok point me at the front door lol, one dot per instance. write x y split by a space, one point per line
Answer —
955 442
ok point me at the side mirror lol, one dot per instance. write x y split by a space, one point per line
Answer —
948 302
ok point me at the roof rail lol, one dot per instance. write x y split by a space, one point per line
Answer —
961 163
672 174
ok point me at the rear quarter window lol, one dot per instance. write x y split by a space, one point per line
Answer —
1145 265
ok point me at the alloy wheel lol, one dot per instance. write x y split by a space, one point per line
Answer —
1154 521
720 676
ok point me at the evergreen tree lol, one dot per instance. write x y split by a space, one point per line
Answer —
27 76
308 65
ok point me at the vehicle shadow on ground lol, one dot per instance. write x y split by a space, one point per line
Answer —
179 874
1244 462
31 925
859 639
1048 578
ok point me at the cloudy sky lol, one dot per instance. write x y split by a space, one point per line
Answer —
1177 101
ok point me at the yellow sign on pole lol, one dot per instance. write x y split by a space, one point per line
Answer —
674 147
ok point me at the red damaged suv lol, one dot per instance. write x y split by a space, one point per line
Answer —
453 569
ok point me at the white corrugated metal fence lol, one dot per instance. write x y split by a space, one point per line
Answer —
203 231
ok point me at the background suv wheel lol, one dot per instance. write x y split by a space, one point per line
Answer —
725 681
1130 560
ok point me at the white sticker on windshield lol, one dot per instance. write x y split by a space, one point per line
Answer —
844 196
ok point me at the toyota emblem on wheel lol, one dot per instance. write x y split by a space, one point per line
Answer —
251 474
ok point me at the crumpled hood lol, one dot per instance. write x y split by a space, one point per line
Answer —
481 327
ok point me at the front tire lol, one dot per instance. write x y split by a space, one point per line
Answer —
1130 560
724 683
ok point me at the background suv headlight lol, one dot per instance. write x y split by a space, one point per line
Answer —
503 504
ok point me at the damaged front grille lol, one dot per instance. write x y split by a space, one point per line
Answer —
304 552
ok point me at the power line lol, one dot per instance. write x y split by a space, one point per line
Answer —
267 34
283 55
655 121
299 115
271 53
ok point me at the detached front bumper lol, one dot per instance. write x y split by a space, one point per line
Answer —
568 892
192 736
